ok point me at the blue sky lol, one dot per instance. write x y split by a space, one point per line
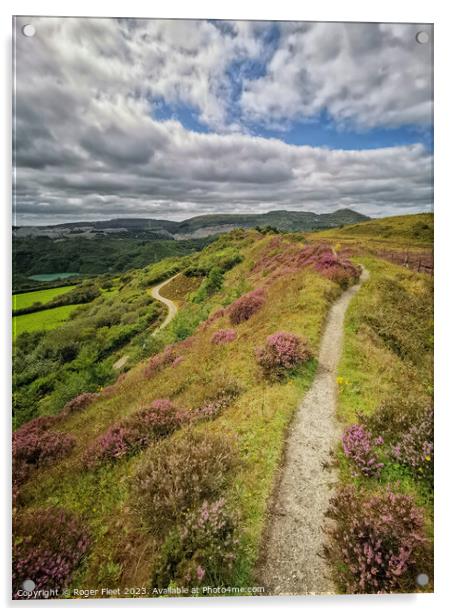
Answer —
175 118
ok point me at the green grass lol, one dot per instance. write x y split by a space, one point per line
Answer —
43 320
369 367
415 228
25 300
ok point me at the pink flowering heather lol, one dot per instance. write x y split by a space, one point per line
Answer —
359 447
34 445
203 548
49 546
223 336
283 259
247 305
282 352
135 432
79 403
378 543
160 361
415 447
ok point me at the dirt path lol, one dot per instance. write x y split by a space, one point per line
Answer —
292 563
172 308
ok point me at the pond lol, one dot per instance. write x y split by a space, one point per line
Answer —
50 277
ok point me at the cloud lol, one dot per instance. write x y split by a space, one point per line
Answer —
88 146
361 75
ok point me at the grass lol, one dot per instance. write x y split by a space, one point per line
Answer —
372 369
25 300
415 228
388 352
257 419
43 320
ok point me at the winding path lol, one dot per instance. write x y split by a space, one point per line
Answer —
292 562
172 308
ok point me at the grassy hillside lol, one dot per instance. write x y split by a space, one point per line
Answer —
161 477
417 228
240 409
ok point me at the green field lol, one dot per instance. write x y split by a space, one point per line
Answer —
25 300
44 319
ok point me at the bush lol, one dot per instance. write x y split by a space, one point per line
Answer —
415 447
49 545
160 361
34 445
79 403
396 415
135 433
378 544
359 446
282 352
223 336
202 549
247 305
178 476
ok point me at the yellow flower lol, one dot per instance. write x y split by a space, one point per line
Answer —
340 380
428 458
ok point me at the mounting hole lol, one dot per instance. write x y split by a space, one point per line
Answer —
422 37
28 30
28 586
422 579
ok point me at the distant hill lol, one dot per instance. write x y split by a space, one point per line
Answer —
193 228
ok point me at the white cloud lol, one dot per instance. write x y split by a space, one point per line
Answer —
87 145
362 75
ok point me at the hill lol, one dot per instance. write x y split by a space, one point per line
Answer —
196 227
417 228
165 474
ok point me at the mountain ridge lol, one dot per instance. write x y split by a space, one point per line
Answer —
197 226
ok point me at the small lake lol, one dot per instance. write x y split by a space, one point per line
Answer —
50 277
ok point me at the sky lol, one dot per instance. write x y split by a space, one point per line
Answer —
170 119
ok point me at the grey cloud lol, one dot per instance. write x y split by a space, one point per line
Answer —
87 145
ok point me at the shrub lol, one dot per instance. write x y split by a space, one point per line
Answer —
160 361
135 432
35 445
223 336
202 549
177 361
247 305
80 402
179 475
396 415
359 446
282 352
415 447
378 543
49 545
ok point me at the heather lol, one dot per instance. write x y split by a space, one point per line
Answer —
49 545
281 353
79 403
35 445
362 450
243 308
223 336
179 474
202 551
160 419
282 258
378 541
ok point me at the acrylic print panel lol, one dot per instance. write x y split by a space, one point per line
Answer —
222 294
